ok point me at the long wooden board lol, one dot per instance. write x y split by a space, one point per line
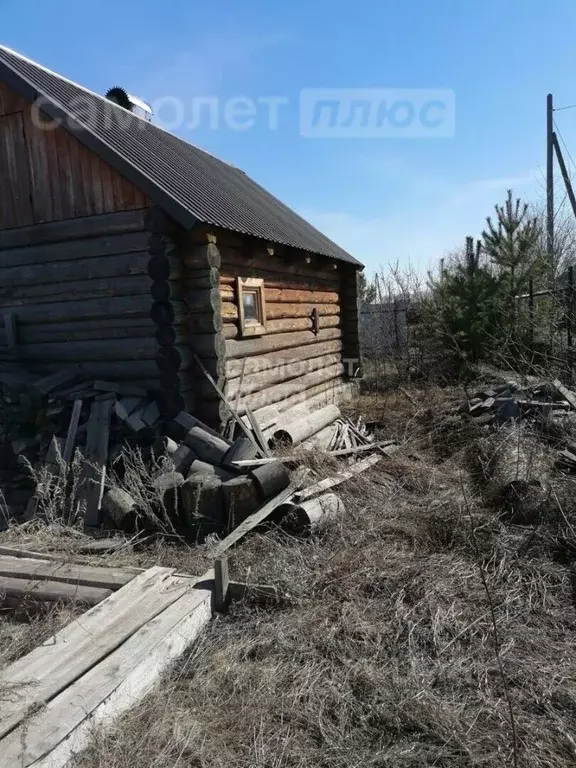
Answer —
64 727
47 670
18 592
331 482
251 522
68 573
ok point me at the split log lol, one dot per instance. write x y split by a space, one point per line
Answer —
201 506
241 498
310 514
242 448
121 508
182 458
203 467
166 486
205 445
270 479
292 431
515 469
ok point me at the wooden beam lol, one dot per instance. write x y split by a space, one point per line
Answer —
67 573
51 667
65 725
332 482
18 592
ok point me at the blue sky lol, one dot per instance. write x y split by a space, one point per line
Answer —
383 199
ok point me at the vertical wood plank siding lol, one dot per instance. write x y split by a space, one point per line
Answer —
48 175
79 292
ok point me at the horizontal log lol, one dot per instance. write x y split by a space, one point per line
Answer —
195 325
232 331
123 264
279 311
85 309
322 384
109 349
181 358
319 394
109 287
73 229
235 261
277 342
257 382
134 370
273 359
287 295
92 248
130 328
157 221
164 267
200 256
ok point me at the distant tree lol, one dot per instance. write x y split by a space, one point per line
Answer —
511 242
366 289
467 308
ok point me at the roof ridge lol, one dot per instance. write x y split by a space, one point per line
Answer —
113 103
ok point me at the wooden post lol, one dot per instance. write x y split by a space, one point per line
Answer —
550 177
221 583
570 316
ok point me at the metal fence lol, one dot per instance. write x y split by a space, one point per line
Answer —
384 329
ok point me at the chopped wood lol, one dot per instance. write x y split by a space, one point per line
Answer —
62 378
293 431
120 507
311 513
270 478
51 667
331 482
206 446
96 455
261 442
242 448
72 429
240 498
566 393
120 388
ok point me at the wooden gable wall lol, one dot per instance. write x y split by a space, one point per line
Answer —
48 175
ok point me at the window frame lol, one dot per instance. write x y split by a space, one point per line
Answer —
253 285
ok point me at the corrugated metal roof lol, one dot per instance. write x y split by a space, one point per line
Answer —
198 184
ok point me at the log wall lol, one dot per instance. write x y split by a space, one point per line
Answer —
48 175
294 359
77 291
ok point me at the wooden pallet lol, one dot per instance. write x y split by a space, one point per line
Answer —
101 664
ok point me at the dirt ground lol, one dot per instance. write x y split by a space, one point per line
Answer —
420 629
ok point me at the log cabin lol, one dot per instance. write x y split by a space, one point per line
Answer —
132 252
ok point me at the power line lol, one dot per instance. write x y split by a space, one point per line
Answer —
559 109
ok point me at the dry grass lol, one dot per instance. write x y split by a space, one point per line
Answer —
381 650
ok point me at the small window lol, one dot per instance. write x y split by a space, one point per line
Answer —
251 306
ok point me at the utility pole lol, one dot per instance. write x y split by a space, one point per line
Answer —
550 177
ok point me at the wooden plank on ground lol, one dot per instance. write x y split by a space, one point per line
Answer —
252 521
51 737
341 477
257 432
565 392
47 670
16 592
96 455
66 376
68 573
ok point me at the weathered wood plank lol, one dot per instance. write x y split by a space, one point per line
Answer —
65 726
68 573
15 204
119 265
17 593
40 675
95 288
70 248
